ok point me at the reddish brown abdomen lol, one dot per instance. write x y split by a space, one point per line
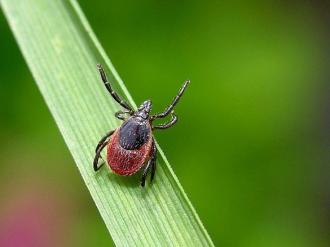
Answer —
126 162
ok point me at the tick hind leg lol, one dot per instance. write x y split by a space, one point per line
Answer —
107 135
151 166
100 146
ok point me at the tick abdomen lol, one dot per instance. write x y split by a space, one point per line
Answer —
124 161
134 133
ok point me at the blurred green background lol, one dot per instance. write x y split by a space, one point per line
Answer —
252 145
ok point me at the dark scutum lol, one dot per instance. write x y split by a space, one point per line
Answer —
133 134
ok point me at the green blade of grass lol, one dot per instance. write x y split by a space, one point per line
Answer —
62 52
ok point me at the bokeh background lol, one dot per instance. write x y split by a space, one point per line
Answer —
252 145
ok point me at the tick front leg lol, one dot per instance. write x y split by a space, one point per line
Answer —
107 84
150 166
174 102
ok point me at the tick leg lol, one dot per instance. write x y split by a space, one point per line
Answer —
174 102
103 139
154 164
169 124
98 155
102 143
111 91
151 165
120 114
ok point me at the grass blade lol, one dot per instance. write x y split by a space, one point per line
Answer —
62 51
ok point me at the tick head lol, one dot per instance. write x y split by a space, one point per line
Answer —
144 109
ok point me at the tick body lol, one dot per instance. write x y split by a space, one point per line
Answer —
131 146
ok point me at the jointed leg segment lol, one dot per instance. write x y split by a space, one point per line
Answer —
103 139
111 91
151 165
100 146
169 124
169 109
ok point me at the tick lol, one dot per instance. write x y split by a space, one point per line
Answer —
132 146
